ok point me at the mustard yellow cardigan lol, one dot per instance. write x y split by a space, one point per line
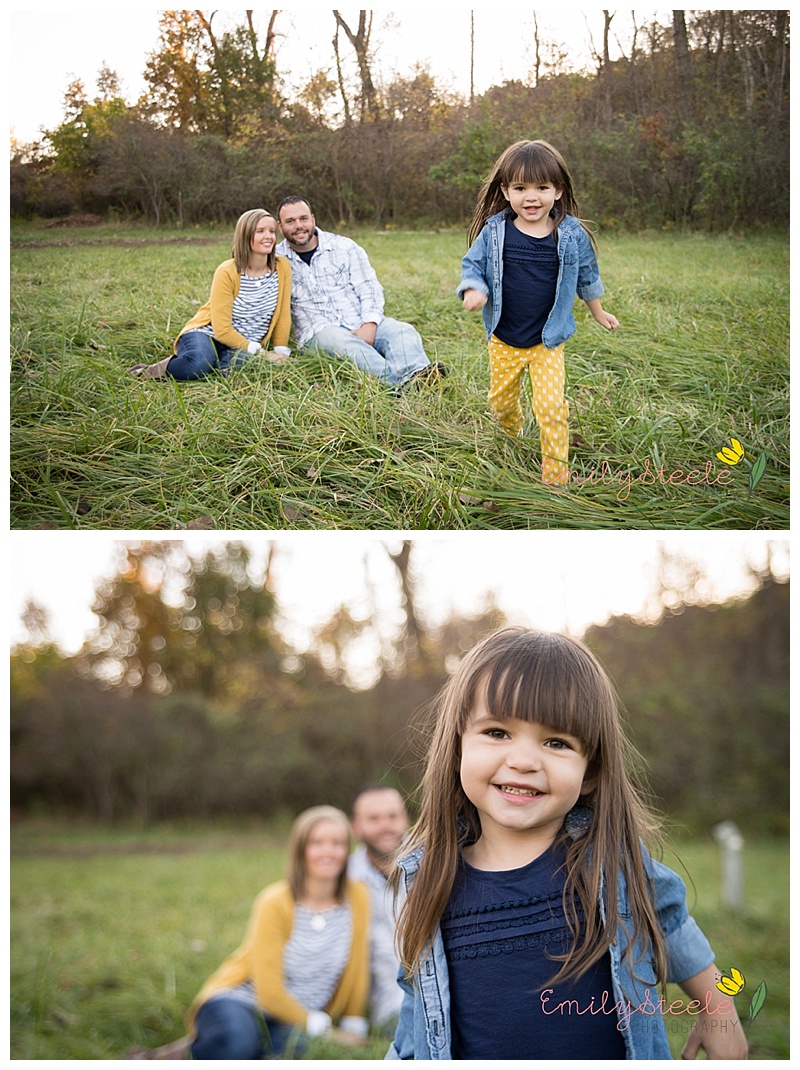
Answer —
260 959
218 310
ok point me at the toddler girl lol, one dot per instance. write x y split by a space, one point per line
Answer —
529 257
536 924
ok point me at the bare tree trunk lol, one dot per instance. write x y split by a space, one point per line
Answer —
268 55
684 64
780 61
414 631
606 68
360 43
224 87
633 67
537 60
472 57
340 77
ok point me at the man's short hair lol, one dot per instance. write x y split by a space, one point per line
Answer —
368 790
294 200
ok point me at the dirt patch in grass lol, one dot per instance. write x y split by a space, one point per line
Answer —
88 219
65 243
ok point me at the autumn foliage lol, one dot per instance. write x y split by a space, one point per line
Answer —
690 128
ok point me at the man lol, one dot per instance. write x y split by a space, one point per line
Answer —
380 822
337 303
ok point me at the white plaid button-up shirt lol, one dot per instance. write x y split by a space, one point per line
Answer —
338 288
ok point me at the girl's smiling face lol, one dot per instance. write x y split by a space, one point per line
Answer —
522 777
532 201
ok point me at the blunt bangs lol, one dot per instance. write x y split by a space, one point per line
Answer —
548 679
534 164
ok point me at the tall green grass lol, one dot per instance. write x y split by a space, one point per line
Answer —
702 355
113 935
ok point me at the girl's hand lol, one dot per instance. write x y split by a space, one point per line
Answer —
605 319
717 1030
473 300
718 1038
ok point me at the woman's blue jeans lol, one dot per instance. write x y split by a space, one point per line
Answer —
226 1028
199 355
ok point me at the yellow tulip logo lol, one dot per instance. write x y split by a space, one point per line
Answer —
732 454
732 985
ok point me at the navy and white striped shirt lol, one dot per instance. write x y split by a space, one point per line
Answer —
314 959
253 306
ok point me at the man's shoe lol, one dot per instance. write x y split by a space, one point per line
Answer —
431 373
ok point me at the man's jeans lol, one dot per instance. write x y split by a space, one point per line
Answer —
228 1029
198 355
393 357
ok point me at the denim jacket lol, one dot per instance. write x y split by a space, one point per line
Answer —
423 1031
578 274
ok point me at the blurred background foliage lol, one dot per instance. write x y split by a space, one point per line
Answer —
187 701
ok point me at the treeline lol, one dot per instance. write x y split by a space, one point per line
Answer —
187 701
707 695
679 132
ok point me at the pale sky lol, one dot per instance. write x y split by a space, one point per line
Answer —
50 48
550 580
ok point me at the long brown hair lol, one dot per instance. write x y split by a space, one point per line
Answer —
302 828
525 161
556 680
243 237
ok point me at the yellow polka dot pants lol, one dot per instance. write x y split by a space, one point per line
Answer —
546 369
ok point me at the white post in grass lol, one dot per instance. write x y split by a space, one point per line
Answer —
731 842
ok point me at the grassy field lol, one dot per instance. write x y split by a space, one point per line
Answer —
112 935
702 355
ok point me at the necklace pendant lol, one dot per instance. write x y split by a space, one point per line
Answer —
318 923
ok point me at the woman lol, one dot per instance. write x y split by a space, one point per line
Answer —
248 308
303 964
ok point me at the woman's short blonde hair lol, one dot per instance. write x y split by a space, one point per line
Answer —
302 828
243 237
